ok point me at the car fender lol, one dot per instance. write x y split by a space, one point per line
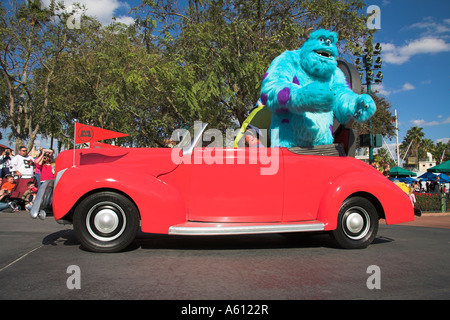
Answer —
160 204
395 203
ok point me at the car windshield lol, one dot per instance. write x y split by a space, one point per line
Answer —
184 137
187 136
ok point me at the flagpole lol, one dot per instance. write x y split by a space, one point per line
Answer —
396 131
74 139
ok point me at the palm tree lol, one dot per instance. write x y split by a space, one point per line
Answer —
415 137
440 149
384 156
426 146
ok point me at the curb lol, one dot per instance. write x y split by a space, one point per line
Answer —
435 214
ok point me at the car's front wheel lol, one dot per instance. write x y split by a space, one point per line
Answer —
357 224
106 222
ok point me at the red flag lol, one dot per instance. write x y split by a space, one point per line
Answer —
85 134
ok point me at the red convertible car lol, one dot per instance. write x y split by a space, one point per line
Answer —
108 194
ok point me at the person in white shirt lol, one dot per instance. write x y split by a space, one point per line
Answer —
22 164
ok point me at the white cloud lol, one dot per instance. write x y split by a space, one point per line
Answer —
443 140
406 87
381 89
103 10
424 123
432 38
125 19
401 54
384 91
429 26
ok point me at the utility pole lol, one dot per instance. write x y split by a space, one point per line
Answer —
396 131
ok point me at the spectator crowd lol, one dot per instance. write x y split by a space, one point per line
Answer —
23 167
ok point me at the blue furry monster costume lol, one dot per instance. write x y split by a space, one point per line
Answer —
304 89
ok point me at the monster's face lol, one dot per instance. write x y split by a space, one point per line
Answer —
318 54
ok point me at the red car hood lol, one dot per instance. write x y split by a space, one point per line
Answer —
154 161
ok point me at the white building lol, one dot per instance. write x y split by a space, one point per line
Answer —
427 163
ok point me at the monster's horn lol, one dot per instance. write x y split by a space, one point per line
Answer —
307 33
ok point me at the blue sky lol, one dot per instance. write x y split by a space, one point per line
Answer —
415 35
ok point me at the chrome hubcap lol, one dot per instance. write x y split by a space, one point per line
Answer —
106 221
356 223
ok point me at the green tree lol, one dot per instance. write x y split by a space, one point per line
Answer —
224 46
31 45
383 156
113 80
413 140
441 149
382 121
426 146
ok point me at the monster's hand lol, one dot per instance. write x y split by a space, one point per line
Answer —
318 97
364 107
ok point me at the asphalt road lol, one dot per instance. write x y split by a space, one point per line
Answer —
37 259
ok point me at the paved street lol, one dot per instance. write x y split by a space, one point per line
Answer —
35 256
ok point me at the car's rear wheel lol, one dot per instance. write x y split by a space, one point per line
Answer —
106 222
357 224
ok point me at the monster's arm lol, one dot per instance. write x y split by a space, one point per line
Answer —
349 105
283 89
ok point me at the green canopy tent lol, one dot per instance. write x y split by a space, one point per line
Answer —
400 172
441 168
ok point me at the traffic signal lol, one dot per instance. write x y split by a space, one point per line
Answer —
377 140
370 140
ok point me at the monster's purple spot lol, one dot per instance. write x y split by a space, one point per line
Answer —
282 110
265 75
263 98
283 96
331 129
348 84
285 121
295 80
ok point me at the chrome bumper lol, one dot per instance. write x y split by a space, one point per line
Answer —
43 202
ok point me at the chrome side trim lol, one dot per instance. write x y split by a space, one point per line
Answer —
43 200
228 229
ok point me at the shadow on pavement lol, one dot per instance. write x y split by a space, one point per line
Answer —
228 242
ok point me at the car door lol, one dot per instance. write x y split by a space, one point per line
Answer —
236 185
306 179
